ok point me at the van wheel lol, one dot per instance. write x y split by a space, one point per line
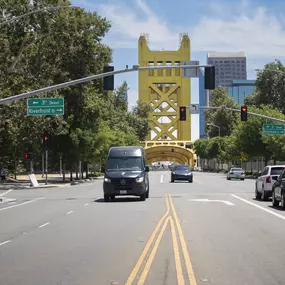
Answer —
142 197
147 194
106 198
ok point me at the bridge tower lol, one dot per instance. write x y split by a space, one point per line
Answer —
165 90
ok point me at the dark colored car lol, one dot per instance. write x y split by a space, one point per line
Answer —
182 172
126 173
278 191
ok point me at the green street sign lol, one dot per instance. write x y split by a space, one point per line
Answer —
45 106
272 129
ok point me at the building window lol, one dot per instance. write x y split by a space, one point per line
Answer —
168 71
151 72
177 71
159 71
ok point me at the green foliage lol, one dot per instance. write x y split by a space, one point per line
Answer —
53 47
200 147
226 120
270 86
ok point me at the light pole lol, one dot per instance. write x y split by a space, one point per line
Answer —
34 12
216 127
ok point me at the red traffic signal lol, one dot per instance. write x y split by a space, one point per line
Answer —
243 113
28 155
182 113
45 138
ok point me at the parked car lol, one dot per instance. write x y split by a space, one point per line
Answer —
278 191
264 183
236 173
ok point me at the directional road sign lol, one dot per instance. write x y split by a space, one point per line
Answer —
45 106
273 129
194 108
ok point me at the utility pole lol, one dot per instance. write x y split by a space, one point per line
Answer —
46 170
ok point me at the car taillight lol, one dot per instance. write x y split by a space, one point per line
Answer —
268 180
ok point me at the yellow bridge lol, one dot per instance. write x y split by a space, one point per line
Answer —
166 90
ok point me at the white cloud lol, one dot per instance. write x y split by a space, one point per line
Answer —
260 34
125 25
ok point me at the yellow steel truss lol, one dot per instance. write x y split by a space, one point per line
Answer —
165 90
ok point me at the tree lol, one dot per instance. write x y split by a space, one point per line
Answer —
226 120
200 147
249 135
270 86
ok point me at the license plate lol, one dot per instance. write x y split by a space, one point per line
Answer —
123 191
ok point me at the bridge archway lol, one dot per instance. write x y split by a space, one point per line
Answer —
174 152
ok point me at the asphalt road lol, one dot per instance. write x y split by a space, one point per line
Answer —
208 232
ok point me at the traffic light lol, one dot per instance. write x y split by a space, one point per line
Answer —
45 140
108 81
210 81
243 113
29 155
183 113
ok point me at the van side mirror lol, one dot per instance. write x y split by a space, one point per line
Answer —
103 169
146 168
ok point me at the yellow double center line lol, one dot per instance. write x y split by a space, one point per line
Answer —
156 236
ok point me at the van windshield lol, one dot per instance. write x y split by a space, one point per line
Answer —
124 163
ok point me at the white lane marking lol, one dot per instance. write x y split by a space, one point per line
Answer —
86 204
161 178
207 200
43 225
6 192
4 242
260 207
69 212
6 208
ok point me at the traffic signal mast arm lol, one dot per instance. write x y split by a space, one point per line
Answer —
250 113
90 78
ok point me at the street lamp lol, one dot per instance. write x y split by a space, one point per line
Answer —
216 127
36 11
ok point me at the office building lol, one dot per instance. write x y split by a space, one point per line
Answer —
202 102
240 89
229 66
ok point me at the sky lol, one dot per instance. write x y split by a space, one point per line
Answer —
256 27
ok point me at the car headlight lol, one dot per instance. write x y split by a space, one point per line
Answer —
173 172
106 179
139 179
190 173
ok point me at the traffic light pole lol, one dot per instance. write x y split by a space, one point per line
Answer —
250 113
90 78
46 170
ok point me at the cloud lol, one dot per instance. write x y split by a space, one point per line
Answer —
127 26
260 33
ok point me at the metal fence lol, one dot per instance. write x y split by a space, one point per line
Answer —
248 166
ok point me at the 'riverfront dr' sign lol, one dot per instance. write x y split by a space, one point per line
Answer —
45 106
273 129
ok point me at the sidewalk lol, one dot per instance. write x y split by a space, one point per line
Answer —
54 180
